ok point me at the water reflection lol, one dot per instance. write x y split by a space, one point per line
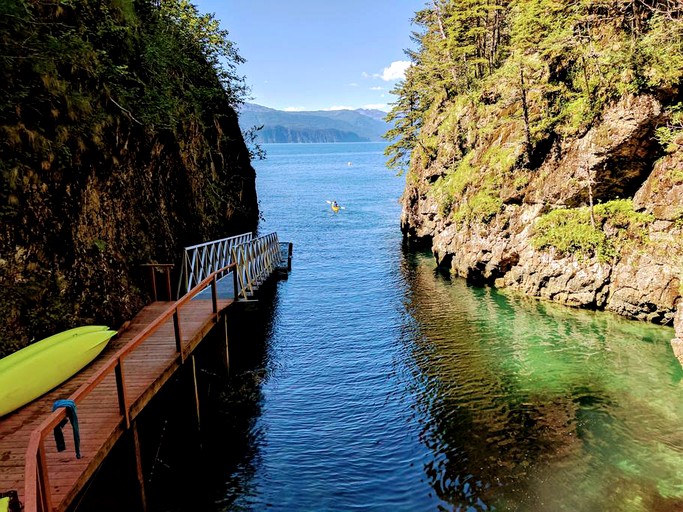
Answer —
385 386
530 406
232 434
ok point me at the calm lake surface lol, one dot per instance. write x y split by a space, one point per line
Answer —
385 385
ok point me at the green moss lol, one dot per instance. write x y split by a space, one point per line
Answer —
676 176
485 205
100 245
499 158
127 10
669 136
450 123
666 137
620 214
662 49
450 189
521 181
576 114
569 230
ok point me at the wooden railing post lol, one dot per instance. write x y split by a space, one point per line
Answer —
121 391
44 490
226 345
168 283
137 452
195 392
178 334
154 283
214 295
153 268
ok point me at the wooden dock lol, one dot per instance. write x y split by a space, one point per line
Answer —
110 394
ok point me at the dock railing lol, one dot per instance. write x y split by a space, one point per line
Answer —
255 261
202 259
251 262
38 497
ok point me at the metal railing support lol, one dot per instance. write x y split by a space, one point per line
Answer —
199 261
251 261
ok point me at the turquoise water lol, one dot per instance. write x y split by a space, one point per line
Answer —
385 385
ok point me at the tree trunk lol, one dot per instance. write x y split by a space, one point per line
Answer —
525 112
439 18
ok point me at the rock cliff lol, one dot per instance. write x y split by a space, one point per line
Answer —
543 150
639 278
118 147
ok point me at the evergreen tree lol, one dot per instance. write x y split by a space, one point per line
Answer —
552 64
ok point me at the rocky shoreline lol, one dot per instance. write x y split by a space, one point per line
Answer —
640 280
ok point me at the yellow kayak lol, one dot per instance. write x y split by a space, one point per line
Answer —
335 207
33 371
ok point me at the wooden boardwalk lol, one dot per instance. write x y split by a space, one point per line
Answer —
146 368
113 390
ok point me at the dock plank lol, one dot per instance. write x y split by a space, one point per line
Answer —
146 369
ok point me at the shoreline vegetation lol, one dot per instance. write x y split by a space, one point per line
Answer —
542 144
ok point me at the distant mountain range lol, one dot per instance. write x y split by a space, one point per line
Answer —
360 125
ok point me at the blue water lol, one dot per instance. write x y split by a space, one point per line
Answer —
385 385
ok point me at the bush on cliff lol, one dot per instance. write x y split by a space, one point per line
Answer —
570 230
519 77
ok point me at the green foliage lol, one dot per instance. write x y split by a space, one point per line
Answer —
620 214
450 188
202 36
669 136
250 136
662 51
553 65
118 143
675 175
666 137
478 206
407 115
569 231
481 207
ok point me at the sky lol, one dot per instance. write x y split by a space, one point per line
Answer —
319 55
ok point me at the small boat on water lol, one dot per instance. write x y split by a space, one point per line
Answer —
33 371
335 206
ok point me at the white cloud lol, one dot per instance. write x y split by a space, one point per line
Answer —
365 75
376 106
395 71
353 84
294 109
339 107
376 88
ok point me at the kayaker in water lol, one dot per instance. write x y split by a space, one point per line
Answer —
335 206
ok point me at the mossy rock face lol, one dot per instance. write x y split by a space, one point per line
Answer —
118 150
531 229
602 231
662 193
